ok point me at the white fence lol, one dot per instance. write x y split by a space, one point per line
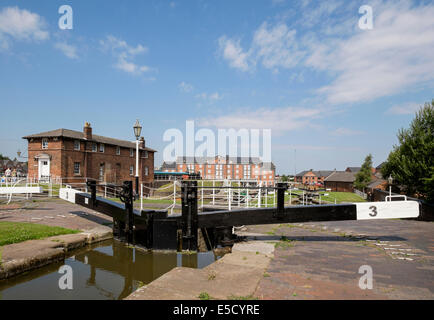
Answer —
241 195
361 194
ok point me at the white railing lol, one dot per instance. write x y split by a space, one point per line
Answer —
361 194
214 196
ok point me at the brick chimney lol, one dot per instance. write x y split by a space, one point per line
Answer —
87 130
142 142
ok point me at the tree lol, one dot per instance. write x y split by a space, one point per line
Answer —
363 177
284 178
2 157
411 163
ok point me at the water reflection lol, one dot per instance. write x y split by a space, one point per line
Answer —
109 271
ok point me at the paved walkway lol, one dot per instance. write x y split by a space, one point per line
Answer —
55 212
28 255
322 260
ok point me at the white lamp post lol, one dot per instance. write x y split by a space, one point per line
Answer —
137 131
390 180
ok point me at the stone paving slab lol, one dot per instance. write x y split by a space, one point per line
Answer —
235 275
322 264
55 212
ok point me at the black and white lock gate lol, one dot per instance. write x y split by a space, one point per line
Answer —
156 229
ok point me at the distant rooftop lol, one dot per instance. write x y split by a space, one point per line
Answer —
341 176
318 173
234 160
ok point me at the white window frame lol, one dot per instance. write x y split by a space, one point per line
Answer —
146 171
131 152
101 148
94 147
118 151
44 143
79 168
146 154
131 170
77 145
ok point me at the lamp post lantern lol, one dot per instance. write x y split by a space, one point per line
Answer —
390 180
137 131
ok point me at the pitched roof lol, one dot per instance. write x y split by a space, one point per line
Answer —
318 173
341 176
302 173
374 184
234 160
168 165
72 134
380 165
354 169
323 173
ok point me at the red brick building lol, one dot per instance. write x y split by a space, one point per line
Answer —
311 177
75 156
225 167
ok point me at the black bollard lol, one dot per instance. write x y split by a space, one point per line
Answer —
281 188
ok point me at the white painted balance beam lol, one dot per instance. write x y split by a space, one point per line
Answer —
387 210
68 194
20 190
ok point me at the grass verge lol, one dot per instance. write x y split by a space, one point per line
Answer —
14 232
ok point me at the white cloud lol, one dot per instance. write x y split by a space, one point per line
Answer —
215 96
185 87
212 97
287 147
68 50
394 56
233 53
20 24
124 54
363 64
280 119
405 108
274 47
346 132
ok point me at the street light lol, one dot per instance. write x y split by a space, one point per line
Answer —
390 180
137 131
19 153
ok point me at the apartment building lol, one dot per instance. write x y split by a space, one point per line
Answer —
225 167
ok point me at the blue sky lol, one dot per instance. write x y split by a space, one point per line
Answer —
304 69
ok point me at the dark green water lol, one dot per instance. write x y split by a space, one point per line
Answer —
108 271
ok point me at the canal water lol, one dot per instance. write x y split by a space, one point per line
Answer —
108 271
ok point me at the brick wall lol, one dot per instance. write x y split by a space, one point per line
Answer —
116 168
228 171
